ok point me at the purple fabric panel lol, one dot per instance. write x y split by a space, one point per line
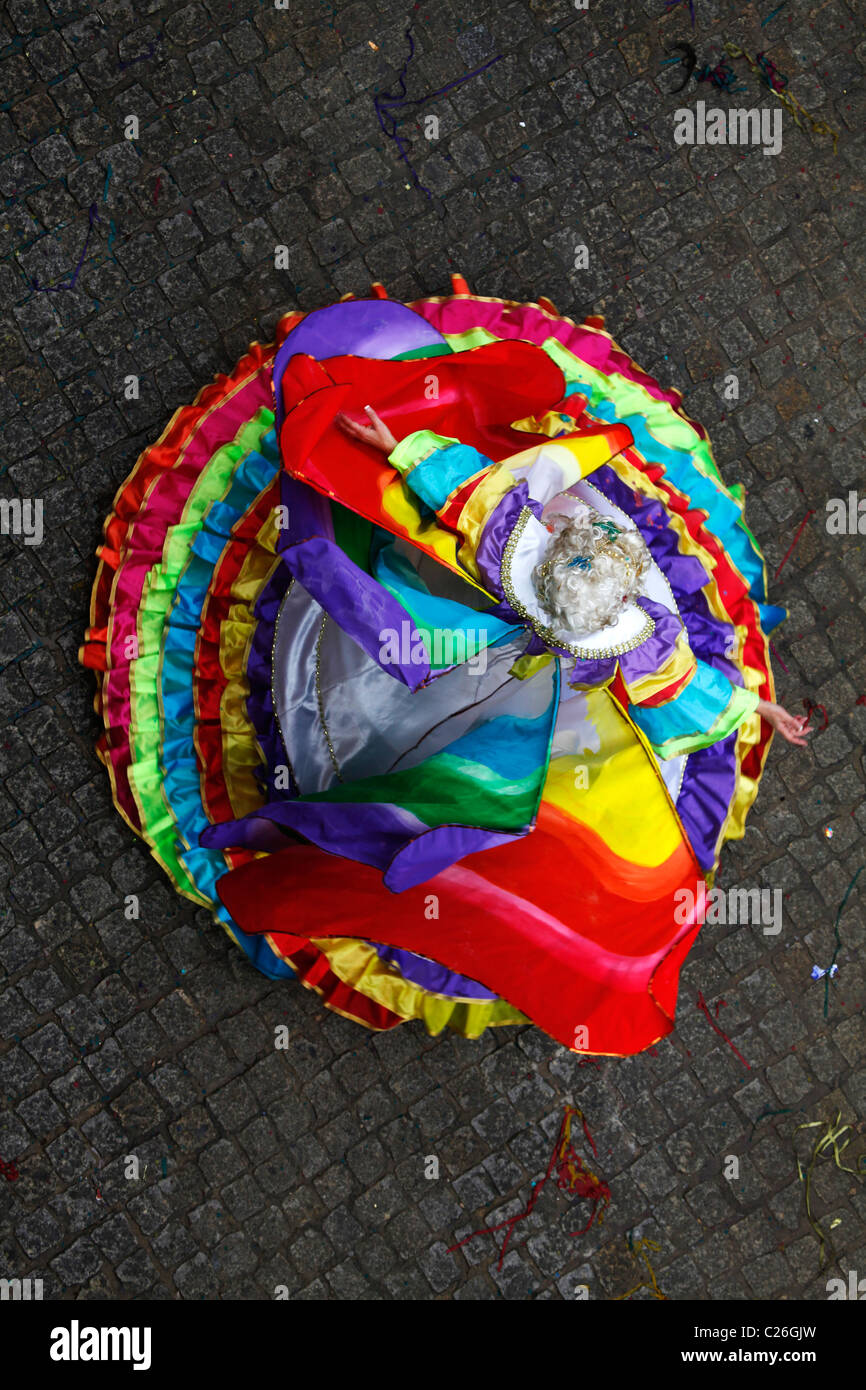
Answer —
498 528
705 798
591 673
361 606
536 645
652 653
709 781
369 832
309 513
438 848
418 970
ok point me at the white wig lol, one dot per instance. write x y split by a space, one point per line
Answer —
591 568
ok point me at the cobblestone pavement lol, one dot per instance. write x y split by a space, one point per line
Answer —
306 1168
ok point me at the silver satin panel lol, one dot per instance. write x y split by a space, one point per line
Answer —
376 724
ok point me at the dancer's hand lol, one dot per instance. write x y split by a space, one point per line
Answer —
376 433
793 727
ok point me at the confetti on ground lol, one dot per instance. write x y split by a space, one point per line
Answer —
769 73
572 1176
673 4
775 80
93 216
638 1248
766 1113
827 1141
773 13
818 973
721 76
778 658
703 1006
831 970
387 102
689 62
788 552
142 58
810 707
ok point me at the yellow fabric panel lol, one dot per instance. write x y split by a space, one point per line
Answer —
241 755
551 423
429 534
358 965
473 518
625 802
526 666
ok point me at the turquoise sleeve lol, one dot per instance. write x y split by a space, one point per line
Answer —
433 465
706 711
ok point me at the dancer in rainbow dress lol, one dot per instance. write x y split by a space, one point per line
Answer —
433 658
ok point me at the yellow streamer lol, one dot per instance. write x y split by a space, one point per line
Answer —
793 105
829 1140
638 1249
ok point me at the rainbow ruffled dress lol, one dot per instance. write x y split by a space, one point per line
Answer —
333 713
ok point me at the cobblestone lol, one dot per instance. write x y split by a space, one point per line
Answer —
308 1169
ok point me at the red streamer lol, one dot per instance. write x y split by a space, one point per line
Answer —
793 542
702 1005
572 1176
809 706
778 658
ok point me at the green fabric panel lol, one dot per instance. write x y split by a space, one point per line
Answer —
352 534
415 446
446 790
432 350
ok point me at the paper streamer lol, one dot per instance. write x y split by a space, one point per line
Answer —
636 1249
572 1176
829 1140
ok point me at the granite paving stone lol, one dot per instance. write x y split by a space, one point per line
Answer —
165 1147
